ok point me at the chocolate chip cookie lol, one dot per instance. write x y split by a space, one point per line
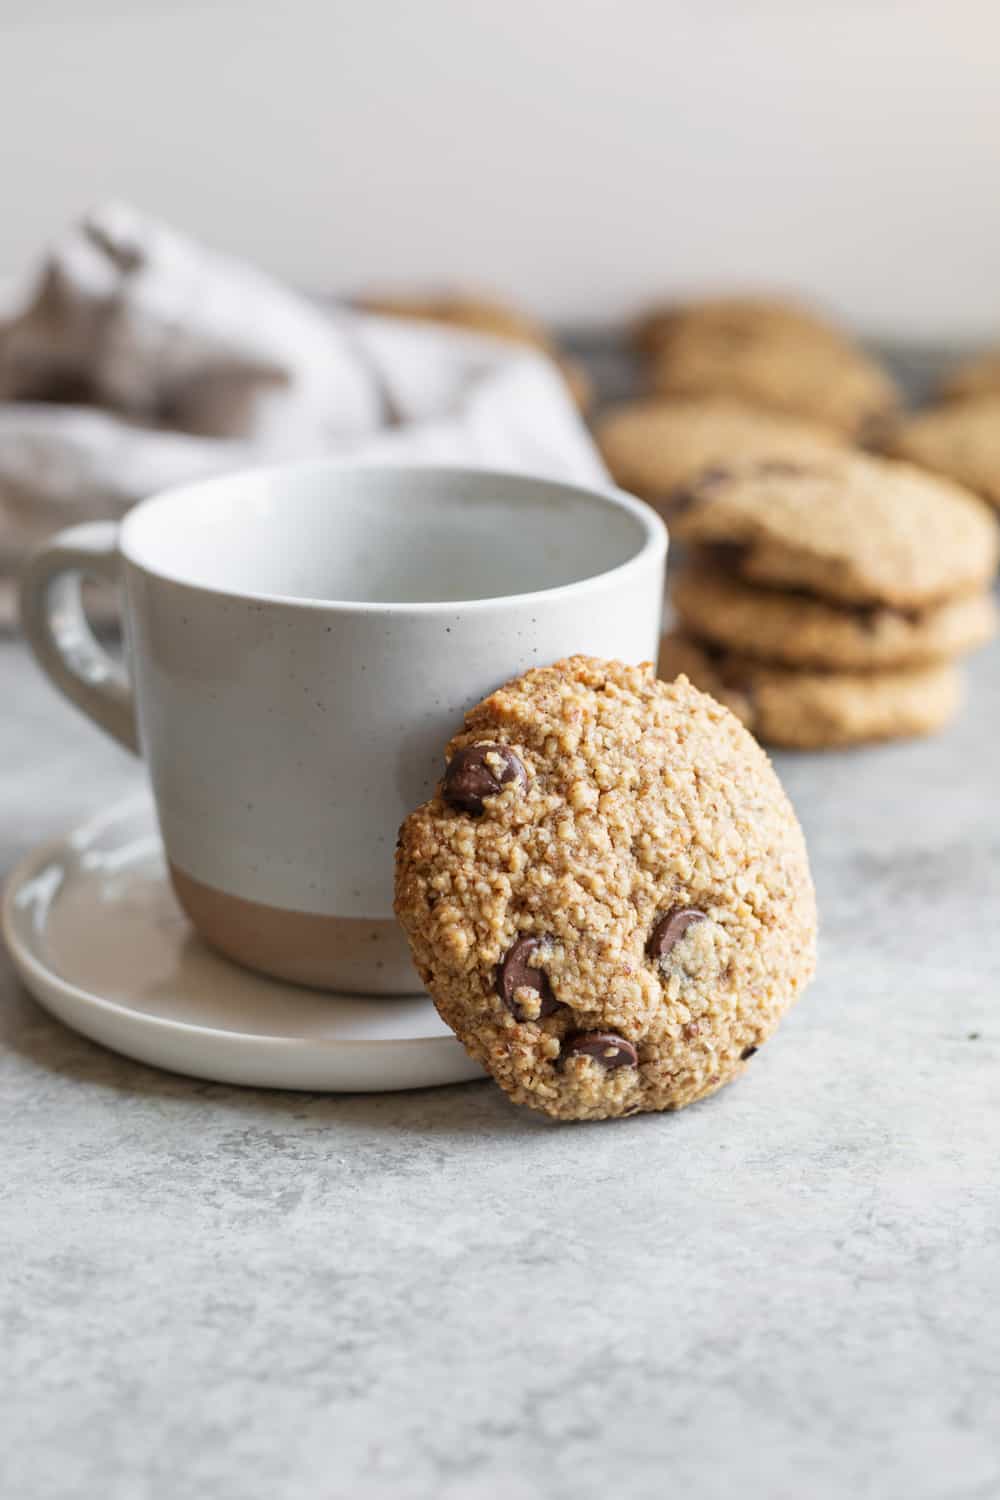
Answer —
961 440
609 897
796 629
829 382
812 710
736 319
655 447
849 528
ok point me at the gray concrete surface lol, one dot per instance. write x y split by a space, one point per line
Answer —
787 1293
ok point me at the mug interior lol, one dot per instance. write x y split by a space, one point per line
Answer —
329 532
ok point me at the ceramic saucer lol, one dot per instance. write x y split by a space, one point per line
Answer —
96 935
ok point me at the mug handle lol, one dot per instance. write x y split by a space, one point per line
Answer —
59 633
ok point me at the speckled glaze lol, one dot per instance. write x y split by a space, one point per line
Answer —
288 731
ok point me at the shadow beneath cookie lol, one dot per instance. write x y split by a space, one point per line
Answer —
457 1110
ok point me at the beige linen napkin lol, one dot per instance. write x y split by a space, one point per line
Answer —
138 359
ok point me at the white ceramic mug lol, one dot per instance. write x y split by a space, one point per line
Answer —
301 644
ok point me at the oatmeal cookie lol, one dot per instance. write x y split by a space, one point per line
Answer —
812 710
609 896
961 440
849 528
796 629
833 383
734 318
653 448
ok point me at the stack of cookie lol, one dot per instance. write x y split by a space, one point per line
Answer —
740 380
827 600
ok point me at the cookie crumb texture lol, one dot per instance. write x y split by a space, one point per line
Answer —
620 930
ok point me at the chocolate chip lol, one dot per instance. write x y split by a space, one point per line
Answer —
711 476
518 973
748 1052
477 772
709 650
686 496
605 1047
675 502
781 466
670 929
873 428
730 556
734 678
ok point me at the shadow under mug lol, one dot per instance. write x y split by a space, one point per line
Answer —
301 643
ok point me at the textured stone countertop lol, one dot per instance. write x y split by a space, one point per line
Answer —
788 1291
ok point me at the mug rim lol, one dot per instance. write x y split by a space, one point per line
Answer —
654 541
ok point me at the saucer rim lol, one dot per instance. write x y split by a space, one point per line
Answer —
41 978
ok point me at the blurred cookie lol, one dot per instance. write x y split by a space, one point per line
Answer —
961 440
609 896
824 380
495 319
849 528
653 447
478 314
796 629
975 377
735 319
812 710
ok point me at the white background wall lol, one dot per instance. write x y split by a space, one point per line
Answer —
581 155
